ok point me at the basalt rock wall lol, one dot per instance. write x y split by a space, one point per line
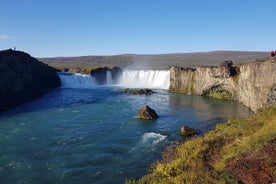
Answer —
253 84
23 78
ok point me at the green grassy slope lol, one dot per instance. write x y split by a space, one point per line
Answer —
241 150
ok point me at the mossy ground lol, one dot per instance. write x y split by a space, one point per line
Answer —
221 95
207 159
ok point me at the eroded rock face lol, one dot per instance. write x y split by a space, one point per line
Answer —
229 66
138 91
23 78
256 85
186 131
147 113
253 84
197 80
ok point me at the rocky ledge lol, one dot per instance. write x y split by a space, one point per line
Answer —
23 78
139 91
253 84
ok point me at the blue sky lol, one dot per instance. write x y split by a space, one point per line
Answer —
48 28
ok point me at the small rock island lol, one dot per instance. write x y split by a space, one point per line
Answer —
147 113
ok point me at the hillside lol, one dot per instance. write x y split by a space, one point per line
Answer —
238 151
159 61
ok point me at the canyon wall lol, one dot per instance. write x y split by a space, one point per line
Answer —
253 84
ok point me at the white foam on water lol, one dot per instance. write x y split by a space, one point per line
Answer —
152 138
148 142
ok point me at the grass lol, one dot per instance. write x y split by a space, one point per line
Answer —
221 95
205 159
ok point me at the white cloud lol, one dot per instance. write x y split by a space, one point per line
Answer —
5 37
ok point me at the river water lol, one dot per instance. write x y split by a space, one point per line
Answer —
85 133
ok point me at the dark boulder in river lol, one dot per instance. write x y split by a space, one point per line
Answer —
23 78
147 113
186 131
138 91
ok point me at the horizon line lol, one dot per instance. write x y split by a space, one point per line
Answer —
151 54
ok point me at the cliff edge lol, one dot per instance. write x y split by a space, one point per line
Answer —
253 84
23 78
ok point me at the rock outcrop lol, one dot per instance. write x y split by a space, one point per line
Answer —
139 91
23 78
103 74
147 113
253 84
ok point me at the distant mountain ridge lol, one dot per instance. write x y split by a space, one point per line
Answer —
156 61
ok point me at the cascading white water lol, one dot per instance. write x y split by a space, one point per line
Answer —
69 80
159 79
109 79
145 79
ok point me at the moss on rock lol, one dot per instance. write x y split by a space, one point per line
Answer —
221 95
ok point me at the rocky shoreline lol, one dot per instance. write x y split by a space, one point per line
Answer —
208 159
237 151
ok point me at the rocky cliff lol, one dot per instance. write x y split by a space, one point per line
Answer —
101 74
253 84
23 78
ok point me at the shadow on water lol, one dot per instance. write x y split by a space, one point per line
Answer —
202 113
64 97
208 108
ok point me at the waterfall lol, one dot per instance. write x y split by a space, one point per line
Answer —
70 80
145 79
159 79
109 77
